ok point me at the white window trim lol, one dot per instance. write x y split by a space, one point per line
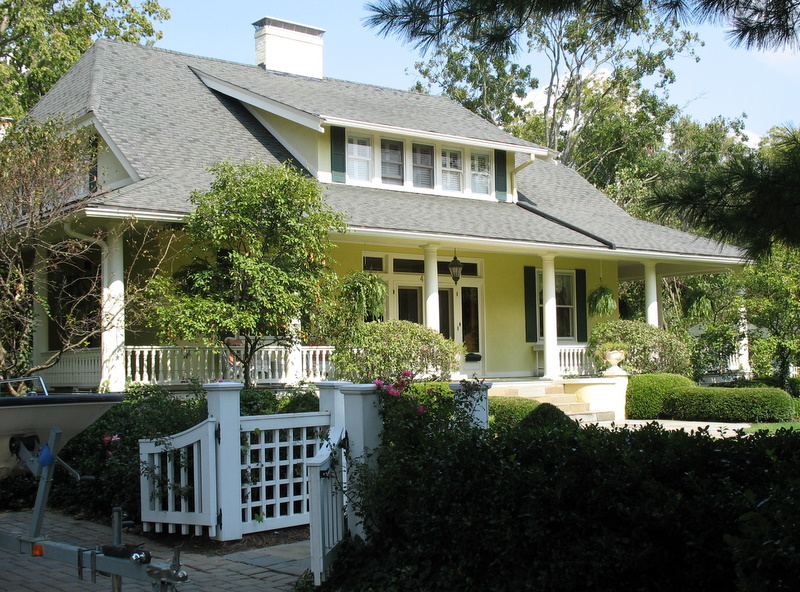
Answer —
408 166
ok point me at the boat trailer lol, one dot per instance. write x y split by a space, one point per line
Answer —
115 560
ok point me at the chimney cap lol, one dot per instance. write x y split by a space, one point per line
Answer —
269 21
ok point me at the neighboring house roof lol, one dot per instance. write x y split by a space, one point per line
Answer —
170 126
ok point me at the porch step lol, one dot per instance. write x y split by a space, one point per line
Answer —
553 393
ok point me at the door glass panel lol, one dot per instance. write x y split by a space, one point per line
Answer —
409 304
446 313
469 318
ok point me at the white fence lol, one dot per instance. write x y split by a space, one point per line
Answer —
263 477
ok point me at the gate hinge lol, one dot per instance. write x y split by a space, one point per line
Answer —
218 433
219 518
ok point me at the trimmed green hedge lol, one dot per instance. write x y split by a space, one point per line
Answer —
709 403
646 392
506 412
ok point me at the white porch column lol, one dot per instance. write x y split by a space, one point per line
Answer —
112 339
431 282
651 294
552 368
41 331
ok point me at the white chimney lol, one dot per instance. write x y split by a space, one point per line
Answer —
289 47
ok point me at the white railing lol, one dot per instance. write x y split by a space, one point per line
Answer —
326 489
166 364
572 360
79 368
178 484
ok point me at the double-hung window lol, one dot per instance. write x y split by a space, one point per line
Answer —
422 157
392 162
452 170
565 305
359 158
479 173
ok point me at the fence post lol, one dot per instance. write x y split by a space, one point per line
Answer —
223 405
480 411
332 400
362 422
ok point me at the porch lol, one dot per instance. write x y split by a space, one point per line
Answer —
172 365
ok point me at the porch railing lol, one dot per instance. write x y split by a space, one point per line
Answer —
174 365
572 360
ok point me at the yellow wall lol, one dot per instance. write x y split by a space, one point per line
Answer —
304 140
507 352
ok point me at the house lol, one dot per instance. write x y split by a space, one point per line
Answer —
421 180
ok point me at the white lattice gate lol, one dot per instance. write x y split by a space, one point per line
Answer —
231 475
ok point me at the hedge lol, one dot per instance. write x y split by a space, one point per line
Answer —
646 392
707 403
650 349
506 412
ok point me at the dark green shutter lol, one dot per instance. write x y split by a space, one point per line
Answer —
500 186
338 155
531 305
580 305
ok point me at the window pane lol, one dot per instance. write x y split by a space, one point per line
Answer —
392 162
409 304
451 170
446 313
469 318
372 264
480 170
359 155
408 265
422 157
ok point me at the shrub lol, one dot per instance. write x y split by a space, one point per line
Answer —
651 350
386 349
646 392
547 417
591 509
506 412
707 403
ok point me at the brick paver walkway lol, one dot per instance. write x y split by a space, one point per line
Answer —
271 569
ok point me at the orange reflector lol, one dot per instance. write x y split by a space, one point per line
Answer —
37 550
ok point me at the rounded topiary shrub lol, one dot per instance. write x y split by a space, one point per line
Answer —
506 412
547 417
646 392
707 403
650 349
386 349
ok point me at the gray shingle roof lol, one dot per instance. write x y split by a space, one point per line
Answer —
170 126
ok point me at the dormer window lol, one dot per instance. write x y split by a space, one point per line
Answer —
452 170
380 160
359 158
480 173
422 161
392 162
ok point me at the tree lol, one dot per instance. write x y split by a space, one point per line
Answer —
498 23
44 172
752 199
604 99
257 251
41 39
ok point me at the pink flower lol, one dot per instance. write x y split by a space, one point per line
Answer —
405 374
114 438
391 390
421 409
378 382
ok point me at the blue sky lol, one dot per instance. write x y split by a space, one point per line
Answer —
726 81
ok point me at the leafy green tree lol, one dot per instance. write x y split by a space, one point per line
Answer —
498 23
596 111
41 39
258 251
772 300
751 199
44 172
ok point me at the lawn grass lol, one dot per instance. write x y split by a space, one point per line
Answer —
772 427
